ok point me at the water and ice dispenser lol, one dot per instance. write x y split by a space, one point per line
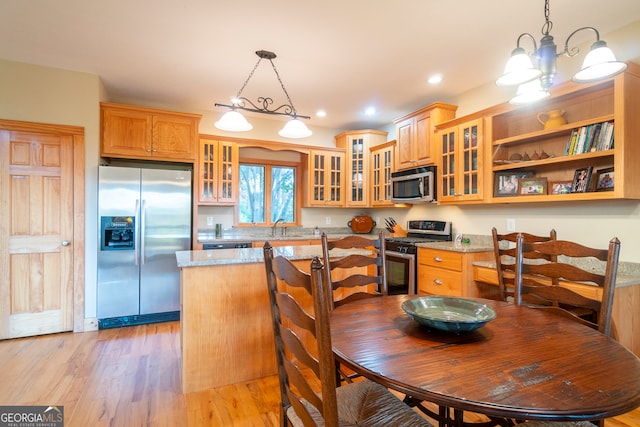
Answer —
117 233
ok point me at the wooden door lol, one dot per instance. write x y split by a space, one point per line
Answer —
36 233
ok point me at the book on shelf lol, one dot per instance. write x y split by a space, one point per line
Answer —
590 138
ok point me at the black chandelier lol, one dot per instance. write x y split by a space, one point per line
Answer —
599 64
236 122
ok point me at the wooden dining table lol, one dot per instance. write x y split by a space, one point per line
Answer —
525 364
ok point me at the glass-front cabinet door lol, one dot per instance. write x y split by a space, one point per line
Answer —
218 172
461 156
470 157
356 145
357 194
326 183
382 165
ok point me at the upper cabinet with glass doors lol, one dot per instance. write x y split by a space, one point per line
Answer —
217 171
325 178
380 179
356 144
461 156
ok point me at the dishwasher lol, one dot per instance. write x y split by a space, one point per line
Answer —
226 245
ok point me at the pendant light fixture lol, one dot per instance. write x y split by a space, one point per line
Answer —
535 80
234 121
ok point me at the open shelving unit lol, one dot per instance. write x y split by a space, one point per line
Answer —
517 130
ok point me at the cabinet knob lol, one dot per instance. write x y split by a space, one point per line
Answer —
437 259
437 281
65 243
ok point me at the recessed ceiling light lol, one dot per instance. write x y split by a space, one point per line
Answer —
321 113
370 111
435 79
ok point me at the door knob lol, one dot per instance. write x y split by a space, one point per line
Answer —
65 243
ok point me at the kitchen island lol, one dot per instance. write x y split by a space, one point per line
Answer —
226 333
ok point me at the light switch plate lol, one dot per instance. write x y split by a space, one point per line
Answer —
511 225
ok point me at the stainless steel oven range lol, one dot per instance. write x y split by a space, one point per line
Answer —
401 252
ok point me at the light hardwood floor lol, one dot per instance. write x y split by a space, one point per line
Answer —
131 377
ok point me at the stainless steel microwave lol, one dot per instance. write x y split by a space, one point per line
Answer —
414 185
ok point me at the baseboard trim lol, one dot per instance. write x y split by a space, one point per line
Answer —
138 319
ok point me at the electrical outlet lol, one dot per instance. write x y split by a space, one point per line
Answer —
327 220
511 225
209 221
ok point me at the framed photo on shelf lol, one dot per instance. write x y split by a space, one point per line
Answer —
604 179
531 186
581 180
506 183
560 187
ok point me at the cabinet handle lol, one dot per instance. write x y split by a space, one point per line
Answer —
437 259
437 281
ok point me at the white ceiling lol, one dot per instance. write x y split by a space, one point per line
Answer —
337 55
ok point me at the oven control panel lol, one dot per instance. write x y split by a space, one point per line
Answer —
429 227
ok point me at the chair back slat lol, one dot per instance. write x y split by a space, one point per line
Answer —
504 249
291 309
356 280
355 260
345 274
543 284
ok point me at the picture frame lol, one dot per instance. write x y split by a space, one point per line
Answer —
506 184
560 187
604 179
532 186
581 180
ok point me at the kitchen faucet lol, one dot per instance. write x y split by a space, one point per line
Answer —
275 224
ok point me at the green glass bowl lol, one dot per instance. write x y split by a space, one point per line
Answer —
449 314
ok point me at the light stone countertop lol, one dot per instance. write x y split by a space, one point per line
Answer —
457 247
628 272
255 255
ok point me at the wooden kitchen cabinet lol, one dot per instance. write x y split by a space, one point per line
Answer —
460 168
415 133
217 172
517 131
382 165
450 273
356 144
326 178
131 132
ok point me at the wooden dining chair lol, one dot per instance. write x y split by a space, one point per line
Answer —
341 276
306 366
540 285
349 275
504 249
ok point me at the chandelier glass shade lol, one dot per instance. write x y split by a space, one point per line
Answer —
599 64
234 121
295 129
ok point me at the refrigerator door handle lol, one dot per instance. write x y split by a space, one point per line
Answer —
143 232
136 245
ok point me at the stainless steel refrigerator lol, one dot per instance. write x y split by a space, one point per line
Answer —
145 217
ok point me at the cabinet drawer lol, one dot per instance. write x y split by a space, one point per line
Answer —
439 281
440 259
